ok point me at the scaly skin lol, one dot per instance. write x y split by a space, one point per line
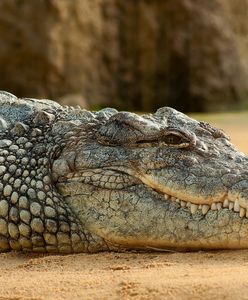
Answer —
76 181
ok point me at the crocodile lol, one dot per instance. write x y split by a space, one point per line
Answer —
74 181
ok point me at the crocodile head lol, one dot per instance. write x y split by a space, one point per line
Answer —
154 181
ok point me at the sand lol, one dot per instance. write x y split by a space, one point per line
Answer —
200 275
132 275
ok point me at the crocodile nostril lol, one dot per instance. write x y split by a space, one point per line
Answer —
231 156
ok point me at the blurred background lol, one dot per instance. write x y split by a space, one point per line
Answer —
129 54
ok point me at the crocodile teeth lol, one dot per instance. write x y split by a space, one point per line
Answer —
219 205
236 206
205 209
214 206
226 203
183 203
166 197
242 212
193 208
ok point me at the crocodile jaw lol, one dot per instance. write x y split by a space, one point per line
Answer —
148 219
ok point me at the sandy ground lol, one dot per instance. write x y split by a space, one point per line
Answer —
132 275
201 275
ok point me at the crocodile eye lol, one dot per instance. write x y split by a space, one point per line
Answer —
173 139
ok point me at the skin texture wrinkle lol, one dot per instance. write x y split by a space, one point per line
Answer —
78 181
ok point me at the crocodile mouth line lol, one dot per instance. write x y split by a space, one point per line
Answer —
205 208
234 204
93 177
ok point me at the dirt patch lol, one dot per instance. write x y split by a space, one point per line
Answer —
200 275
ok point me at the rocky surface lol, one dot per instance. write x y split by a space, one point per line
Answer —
187 54
50 48
132 54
